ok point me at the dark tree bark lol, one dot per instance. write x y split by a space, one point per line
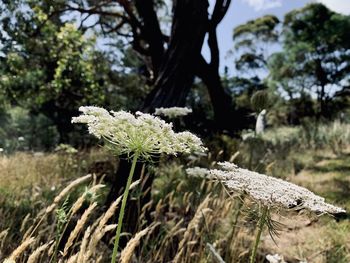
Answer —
61 117
224 115
173 70
226 118
176 74
151 32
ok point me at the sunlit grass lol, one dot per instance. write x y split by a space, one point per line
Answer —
179 229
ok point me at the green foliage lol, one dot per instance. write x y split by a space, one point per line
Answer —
62 216
22 130
315 54
314 60
49 61
251 39
261 27
270 151
338 252
50 66
260 100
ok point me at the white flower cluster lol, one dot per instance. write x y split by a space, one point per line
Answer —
268 190
142 133
173 112
271 191
198 172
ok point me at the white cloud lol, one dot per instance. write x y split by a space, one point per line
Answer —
259 5
340 6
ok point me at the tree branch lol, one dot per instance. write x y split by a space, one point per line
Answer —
151 33
220 10
93 11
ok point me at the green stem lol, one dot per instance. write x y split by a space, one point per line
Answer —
261 224
122 209
250 164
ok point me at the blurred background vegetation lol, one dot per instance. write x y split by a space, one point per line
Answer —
52 61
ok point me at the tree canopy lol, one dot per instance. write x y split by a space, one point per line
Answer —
316 53
310 58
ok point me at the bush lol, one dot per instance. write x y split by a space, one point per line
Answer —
335 135
25 131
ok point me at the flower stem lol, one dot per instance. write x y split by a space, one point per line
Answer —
122 209
261 224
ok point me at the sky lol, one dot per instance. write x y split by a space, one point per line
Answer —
241 11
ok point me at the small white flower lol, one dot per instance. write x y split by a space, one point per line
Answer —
21 139
1 150
173 112
275 258
141 133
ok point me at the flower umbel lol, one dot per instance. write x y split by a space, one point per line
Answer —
141 133
271 191
140 136
173 112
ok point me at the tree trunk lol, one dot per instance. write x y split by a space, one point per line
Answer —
176 75
151 33
225 116
321 76
175 78
61 118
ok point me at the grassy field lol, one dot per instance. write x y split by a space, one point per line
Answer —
192 220
319 240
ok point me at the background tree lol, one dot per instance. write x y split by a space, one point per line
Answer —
171 52
316 44
292 87
51 66
252 49
253 41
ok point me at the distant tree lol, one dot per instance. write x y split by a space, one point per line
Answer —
253 41
252 49
316 53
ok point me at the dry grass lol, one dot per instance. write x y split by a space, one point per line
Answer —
188 214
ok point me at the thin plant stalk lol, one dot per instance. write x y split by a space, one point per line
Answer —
122 209
261 225
251 152
234 225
